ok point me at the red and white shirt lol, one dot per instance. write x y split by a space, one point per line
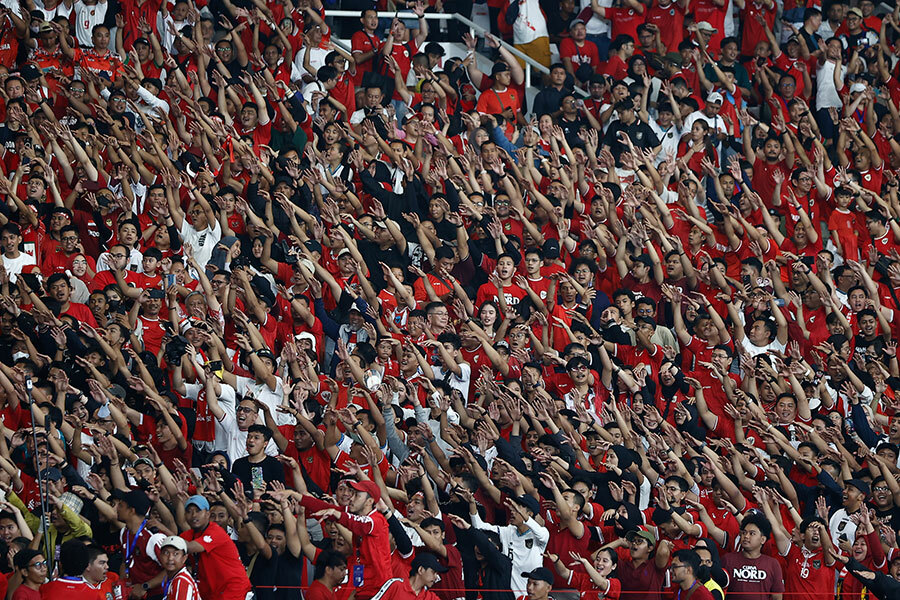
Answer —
181 587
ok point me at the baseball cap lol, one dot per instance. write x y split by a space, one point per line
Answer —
117 390
143 461
859 484
574 23
540 574
342 252
647 535
176 542
198 501
715 97
705 27
499 67
644 260
551 248
528 502
306 336
855 11
313 246
142 40
266 353
369 487
51 473
857 87
426 561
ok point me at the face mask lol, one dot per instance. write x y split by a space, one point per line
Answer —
19 356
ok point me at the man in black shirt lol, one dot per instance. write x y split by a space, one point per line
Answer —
549 100
641 134
257 469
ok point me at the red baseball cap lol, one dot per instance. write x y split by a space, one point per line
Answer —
369 487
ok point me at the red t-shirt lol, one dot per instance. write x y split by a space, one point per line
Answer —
624 21
139 567
68 588
24 592
584 55
221 572
806 575
317 590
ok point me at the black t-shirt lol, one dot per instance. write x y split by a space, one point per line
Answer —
549 100
277 578
640 133
890 516
269 469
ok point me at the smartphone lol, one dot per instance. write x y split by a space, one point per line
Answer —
157 294
170 280
215 365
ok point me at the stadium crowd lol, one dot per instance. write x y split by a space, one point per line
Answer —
286 320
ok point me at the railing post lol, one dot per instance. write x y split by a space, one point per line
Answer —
527 75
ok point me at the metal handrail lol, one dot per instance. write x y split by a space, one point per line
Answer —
475 28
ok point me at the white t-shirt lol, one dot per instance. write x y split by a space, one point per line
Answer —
716 124
531 24
226 401
841 526
669 137
525 550
826 95
86 18
203 242
460 382
14 266
596 25
271 398
316 60
234 441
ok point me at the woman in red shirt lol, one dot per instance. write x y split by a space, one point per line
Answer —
698 146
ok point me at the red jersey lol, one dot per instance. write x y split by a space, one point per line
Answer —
587 54
371 540
139 567
670 21
222 574
318 590
806 574
624 21
68 588
399 589
181 587
362 42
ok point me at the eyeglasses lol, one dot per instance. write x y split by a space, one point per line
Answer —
881 488
673 566
118 255
39 565
579 368
246 409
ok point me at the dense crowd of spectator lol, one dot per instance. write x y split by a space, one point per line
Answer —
282 319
